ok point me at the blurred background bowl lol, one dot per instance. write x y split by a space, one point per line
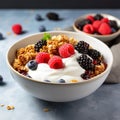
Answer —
103 38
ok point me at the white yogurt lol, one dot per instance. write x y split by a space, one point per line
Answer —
71 71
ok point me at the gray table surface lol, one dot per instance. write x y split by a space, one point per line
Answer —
104 104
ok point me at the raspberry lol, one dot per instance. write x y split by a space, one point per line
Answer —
88 28
91 18
42 57
105 20
96 24
66 50
56 62
104 29
17 28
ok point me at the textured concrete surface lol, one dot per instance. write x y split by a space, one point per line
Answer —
104 104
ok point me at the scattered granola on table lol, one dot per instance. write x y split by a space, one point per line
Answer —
10 107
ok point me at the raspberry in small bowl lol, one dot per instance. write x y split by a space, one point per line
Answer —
105 27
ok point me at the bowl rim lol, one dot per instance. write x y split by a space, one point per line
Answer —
94 35
51 83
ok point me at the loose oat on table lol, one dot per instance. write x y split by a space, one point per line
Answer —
46 109
2 105
10 107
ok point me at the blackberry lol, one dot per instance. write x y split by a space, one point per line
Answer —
113 24
82 23
94 54
85 76
85 62
82 47
98 17
52 16
113 30
39 45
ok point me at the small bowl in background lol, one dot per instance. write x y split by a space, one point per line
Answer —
103 38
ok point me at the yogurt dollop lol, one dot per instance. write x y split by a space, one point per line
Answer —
71 71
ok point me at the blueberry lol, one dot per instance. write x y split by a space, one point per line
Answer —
113 24
1 36
32 64
113 30
47 80
85 76
28 76
42 28
61 81
38 17
1 79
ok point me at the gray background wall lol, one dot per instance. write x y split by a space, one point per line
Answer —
75 4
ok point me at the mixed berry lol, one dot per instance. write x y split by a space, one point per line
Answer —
1 36
82 47
1 79
89 59
55 62
98 24
17 28
52 16
52 51
39 45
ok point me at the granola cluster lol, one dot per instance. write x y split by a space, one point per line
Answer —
55 42
23 55
90 59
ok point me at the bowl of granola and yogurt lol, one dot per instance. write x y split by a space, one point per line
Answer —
59 66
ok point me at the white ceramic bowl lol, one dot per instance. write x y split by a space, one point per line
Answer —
55 91
104 38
